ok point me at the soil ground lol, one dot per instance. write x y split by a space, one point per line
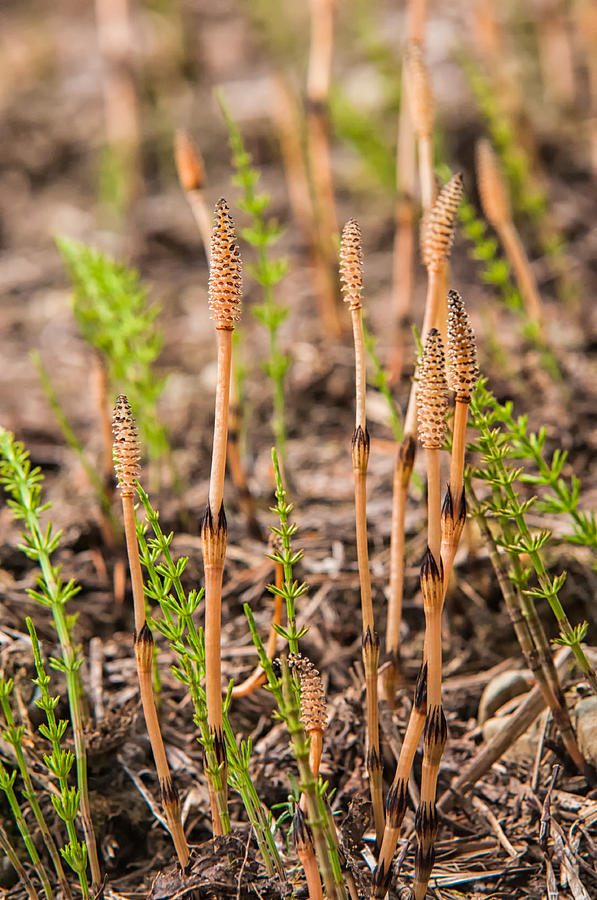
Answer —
52 118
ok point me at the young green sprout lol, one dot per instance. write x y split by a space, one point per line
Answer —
462 377
126 464
224 303
496 206
432 402
351 279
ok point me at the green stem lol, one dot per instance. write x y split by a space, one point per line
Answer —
6 784
14 737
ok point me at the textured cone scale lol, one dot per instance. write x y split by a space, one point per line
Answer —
314 713
463 371
420 94
351 264
189 164
224 287
126 447
492 187
432 393
437 230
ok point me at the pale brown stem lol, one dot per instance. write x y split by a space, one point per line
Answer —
394 619
458 451
396 802
434 506
315 751
202 215
308 861
519 261
132 547
170 801
426 175
144 659
257 677
416 18
402 473
213 664
360 368
360 500
218 456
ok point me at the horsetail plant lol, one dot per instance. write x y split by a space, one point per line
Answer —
177 624
432 402
511 511
126 464
59 762
437 237
314 789
224 302
115 317
23 486
462 376
531 637
351 279
13 735
283 555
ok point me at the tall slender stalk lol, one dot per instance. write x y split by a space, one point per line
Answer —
437 236
351 277
126 463
224 301
432 400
